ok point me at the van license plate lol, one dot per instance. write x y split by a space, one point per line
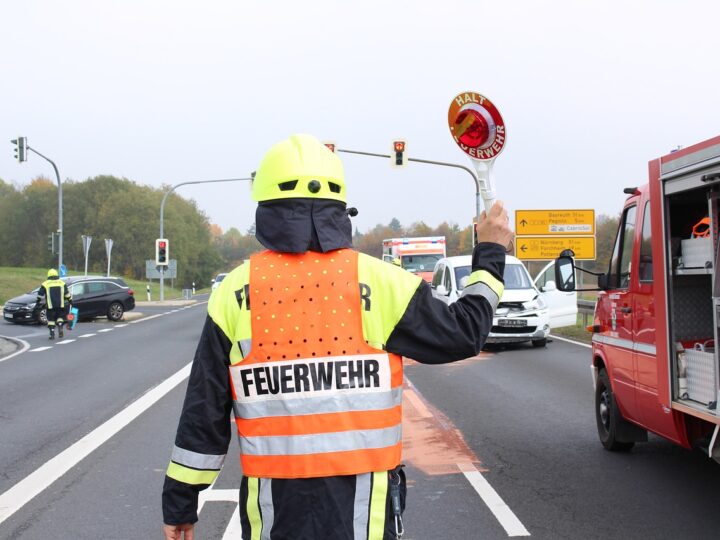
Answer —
512 322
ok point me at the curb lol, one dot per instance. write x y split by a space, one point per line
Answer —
21 347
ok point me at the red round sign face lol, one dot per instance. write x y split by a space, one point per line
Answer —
476 125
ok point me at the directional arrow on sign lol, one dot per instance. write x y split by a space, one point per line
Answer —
523 223
523 248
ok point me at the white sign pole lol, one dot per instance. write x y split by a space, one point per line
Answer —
86 249
108 250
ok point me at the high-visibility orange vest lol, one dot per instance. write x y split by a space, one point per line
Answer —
311 397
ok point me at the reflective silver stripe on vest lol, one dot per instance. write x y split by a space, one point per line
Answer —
245 346
195 460
644 348
481 289
362 504
267 511
375 401
343 441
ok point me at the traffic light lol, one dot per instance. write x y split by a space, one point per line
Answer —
161 251
20 148
398 148
331 146
51 243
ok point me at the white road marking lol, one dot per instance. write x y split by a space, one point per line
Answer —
120 325
210 494
106 330
502 512
39 349
25 347
65 341
86 335
174 311
571 341
234 528
35 483
147 318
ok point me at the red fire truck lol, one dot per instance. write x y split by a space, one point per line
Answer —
654 359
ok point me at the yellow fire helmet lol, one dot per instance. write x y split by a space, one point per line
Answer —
300 166
52 273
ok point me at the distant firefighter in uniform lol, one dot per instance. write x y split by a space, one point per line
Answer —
57 299
304 344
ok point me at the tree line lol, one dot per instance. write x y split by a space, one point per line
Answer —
118 208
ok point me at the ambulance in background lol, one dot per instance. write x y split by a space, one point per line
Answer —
657 318
416 255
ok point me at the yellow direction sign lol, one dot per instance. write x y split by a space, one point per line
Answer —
537 248
560 222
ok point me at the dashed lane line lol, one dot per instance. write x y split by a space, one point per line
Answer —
36 482
121 325
65 341
509 521
86 335
40 349
106 330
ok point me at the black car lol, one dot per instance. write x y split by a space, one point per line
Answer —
93 297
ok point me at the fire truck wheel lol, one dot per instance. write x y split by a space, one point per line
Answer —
608 415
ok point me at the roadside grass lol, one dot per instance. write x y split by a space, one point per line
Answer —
576 332
15 281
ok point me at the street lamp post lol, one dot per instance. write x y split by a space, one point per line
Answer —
60 203
162 217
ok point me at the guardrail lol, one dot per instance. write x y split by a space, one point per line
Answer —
586 308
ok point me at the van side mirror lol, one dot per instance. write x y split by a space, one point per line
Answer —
441 290
565 274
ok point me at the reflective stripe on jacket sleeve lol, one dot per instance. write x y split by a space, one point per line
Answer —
203 433
432 332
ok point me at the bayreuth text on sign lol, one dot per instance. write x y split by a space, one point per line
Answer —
542 248
554 222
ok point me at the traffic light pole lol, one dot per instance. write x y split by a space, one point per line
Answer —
478 196
60 205
162 217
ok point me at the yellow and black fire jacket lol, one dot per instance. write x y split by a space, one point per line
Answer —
398 314
55 292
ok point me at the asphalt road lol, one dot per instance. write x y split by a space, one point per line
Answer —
503 444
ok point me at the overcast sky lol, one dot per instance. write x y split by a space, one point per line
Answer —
172 91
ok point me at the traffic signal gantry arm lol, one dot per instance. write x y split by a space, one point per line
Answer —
478 186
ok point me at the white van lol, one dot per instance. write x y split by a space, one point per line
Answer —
527 310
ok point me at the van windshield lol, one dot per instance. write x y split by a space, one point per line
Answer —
420 263
516 277
461 272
